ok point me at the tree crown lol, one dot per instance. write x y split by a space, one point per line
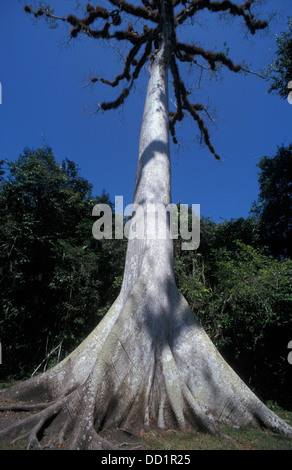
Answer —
160 20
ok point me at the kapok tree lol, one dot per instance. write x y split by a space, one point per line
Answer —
148 363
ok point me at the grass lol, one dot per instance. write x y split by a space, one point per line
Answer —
238 439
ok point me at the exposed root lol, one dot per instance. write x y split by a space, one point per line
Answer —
31 428
52 424
24 407
152 368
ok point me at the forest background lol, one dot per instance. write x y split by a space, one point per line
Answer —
57 281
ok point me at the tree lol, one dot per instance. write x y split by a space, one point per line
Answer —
280 71
274 205
148 362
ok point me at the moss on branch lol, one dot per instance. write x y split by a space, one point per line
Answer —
157 12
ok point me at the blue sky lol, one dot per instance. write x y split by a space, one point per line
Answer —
43 101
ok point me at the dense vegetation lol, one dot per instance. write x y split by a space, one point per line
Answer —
57 281
280 70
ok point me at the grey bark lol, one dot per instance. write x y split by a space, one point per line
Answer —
148 363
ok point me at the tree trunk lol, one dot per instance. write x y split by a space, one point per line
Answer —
149 362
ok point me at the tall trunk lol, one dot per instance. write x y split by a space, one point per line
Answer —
148 362
153 184
152 255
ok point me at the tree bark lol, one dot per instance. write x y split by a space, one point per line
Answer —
148 363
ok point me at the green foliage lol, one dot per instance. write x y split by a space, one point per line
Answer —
243 298
253 297
56 278
274 205
280 70
230 231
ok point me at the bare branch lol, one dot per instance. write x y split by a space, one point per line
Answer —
247 71
160 12
120 100
209 56
225 5
147 13
126 72
182 102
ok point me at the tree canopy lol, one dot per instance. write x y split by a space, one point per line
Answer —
280 71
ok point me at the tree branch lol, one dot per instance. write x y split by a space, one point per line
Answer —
182 100
225 5
160 12
209 56
147 13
